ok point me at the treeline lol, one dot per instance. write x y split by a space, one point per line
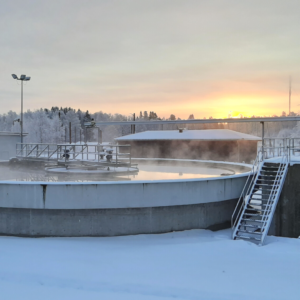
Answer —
52 125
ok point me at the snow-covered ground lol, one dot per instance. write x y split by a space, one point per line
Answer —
195 264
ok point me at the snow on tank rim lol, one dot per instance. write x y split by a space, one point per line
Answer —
145 181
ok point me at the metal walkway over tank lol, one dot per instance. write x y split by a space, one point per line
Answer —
76 154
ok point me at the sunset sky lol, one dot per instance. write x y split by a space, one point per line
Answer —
207 58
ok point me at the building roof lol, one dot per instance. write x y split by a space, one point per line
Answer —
196 135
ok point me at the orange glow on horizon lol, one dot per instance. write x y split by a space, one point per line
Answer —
216 106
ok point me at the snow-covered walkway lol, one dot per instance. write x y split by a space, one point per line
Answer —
195 264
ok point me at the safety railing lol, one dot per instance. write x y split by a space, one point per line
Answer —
98 153
275 191
33 150
247 190
277 147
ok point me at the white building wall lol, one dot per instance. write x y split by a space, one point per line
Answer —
8 145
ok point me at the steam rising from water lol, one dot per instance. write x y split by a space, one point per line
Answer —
148 170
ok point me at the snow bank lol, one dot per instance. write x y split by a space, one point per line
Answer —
195 264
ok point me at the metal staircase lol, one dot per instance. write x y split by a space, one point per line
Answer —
254 212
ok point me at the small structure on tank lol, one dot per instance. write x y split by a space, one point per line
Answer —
8 141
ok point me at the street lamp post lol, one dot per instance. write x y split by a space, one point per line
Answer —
22 78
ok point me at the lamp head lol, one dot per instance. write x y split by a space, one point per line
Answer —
14 76
22 77
27 78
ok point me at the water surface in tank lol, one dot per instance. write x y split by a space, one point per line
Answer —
147 170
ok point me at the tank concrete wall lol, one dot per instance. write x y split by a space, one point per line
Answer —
117 208
111 222
138 194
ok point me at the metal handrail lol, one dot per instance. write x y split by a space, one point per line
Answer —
87 152
275 189
248 186
39 154
276 146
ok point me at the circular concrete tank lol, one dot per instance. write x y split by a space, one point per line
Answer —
108 208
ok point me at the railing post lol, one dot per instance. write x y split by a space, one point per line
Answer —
116 155
99 136
262 139
70 132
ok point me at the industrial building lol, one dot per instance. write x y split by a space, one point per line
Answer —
210 144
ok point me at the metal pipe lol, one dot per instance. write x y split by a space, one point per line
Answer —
21 111
197 121
262 138
70 132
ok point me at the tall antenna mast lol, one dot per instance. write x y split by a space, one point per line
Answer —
290 94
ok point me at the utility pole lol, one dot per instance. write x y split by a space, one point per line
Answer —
133 125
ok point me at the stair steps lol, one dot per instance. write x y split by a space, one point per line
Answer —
258 207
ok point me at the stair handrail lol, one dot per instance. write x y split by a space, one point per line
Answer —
249 187
278 180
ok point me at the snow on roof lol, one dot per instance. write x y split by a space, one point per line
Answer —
198 135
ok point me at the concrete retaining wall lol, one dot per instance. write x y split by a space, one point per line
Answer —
286 221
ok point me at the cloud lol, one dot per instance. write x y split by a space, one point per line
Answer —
113 55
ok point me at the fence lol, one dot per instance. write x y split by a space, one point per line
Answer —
96 153
277 147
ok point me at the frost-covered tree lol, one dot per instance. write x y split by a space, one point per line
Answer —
7 120
38 127
57 129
